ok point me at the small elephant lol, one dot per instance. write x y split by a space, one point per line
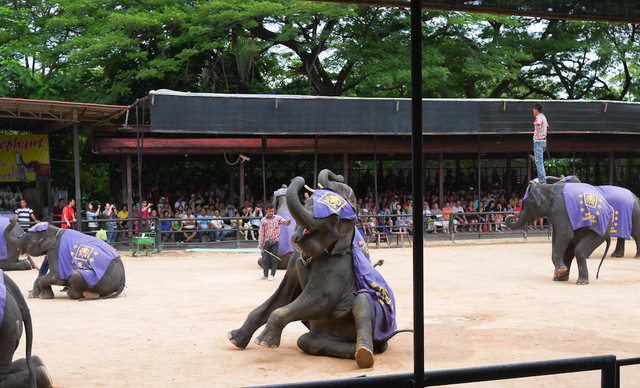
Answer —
14 312
626 205
581 219
349 310
10 257
88 266
285 249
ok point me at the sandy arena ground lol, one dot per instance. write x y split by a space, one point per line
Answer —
485 304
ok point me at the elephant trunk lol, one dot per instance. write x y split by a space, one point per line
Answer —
9 238
326 175
519 222
302 216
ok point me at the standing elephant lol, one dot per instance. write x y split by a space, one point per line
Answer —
626 207
581 219
285 249
10 257
14 312
87 265
329 284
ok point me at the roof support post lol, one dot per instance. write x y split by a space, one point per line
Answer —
441 179
417 182
264 172
241 183
375 172
479 175
612 171
129 189
345 167
315 162
76 171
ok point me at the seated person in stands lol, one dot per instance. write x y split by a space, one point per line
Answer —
165 227
202 223
472 219
189 226
438 217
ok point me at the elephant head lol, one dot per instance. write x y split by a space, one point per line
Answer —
328 180
327 232
535 205
36 241
279 198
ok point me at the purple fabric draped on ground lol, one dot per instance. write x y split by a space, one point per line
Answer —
327 202
285 234
621 200
4 221
369 281
3 296
587 207
86 254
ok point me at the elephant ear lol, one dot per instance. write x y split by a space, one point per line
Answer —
536 195
344 244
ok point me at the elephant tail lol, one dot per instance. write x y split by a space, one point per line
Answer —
396 332
28 327
606 250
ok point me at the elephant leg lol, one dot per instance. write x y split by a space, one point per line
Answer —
364 330
584 248
314 303
562 239
318 344
19 375
619 251
569 254
77 286
20 265
288 289
42 286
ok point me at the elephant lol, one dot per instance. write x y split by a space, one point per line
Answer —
10 257
285 249
14 312
627 208
581 219
86 265
329 285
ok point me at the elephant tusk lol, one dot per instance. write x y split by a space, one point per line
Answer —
309 189
320 186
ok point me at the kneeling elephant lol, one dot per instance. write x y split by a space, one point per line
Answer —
90 267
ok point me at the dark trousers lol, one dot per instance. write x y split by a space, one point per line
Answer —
269 261
44 267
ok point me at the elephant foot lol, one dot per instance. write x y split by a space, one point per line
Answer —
237 340
582 282
46 293
561 274
617 254
268 341
33 294
364 357
42 377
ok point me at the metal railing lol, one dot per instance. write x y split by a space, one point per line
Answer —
607 364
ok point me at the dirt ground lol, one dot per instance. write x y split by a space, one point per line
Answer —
485 304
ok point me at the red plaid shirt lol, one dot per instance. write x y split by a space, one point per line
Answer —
270 229
540 128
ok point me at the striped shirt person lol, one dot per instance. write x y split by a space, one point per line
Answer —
24 215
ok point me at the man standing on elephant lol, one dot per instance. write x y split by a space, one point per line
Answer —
540 126
269 240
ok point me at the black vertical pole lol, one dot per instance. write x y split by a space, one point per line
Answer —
417 178
315 162
479 175
264 173
375 172
76 171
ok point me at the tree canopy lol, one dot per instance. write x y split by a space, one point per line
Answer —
114 52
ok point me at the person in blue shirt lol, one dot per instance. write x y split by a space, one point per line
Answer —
165 227
202 222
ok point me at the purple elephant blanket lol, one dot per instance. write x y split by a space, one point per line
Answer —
4 222
587 207
3 296
327 202
621 200
285 234
370 282
86 254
